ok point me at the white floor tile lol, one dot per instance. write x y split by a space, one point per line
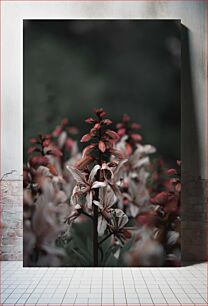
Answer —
116 286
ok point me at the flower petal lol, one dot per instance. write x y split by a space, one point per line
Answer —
97 203
85 138
112 134
102 224
93 173
134 210
110 198
98 184
123 219
89 199
101 146
77 175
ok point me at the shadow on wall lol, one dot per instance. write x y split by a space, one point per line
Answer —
193 228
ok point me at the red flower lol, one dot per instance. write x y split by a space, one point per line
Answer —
65 121
57 131
112 134
73 130
88 149
46 143
171 171
126 118
33 140
101 146
100 112
85 138
69 144
135 126
106 122
84 162
37 161
96 126
136 137
121 132
32 150
160 199
90 120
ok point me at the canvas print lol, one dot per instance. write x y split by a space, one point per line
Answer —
101 143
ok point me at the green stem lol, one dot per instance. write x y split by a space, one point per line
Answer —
95 213
95 235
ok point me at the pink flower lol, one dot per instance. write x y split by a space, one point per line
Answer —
85 138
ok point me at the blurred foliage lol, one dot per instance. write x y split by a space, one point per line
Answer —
72 66
79 248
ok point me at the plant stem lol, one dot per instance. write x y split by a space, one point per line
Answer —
95 212
95 236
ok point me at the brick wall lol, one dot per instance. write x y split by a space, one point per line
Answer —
11 220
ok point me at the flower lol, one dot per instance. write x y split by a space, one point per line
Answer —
137 196
116 225
84 186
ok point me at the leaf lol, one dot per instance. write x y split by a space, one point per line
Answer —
111 261
128 244
83 260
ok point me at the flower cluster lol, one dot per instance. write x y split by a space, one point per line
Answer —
135 195
158 239
110 204
94 193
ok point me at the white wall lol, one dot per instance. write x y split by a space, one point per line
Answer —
191 13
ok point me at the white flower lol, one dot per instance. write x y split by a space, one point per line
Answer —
85 186
116 226
62 139
146 149
118 219
138 196
172 237
107 199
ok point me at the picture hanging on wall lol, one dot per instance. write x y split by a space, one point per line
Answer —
101 143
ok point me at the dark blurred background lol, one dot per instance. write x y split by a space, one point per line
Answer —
124 66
